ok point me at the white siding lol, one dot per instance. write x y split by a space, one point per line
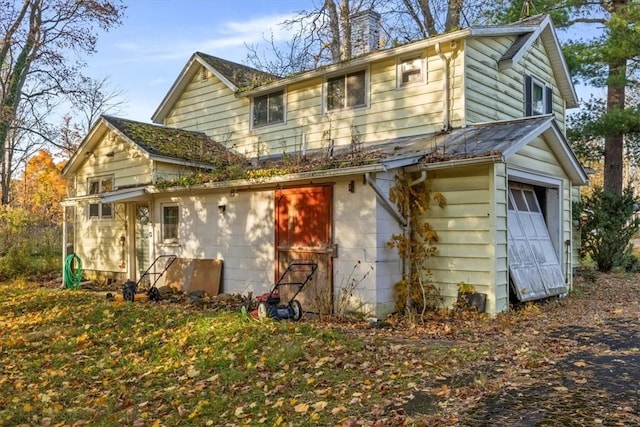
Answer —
243 237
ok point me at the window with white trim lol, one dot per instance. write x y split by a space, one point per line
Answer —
170 222
538 98
346 91
268 109
96 186
410 70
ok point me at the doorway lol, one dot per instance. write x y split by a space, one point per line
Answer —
304 232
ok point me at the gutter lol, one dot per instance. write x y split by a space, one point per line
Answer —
495 158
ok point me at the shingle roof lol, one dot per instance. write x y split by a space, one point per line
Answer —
240 75
174 143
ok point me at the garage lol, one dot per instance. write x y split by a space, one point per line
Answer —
534 269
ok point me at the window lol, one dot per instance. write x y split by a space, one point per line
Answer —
346 91
98 186
268 109
410 71
170 221
538 97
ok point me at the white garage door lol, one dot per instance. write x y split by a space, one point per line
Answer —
533 263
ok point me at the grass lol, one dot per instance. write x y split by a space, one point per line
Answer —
73 358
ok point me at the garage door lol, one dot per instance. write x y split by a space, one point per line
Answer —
533 263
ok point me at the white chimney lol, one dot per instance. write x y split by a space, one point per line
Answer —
365 32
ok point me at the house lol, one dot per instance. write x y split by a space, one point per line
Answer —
478 115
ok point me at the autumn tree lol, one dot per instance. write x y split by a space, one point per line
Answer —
39 44
606 57
41 189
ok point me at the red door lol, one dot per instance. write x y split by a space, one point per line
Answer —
304 232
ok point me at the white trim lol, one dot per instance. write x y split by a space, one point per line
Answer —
344 72
525 176
521 176
406 58
252 125
164 240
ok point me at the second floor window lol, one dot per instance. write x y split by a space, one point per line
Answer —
98 186
410 71
346 91
268 109
538 98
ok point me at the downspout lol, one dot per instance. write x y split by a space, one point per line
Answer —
404 222
445 88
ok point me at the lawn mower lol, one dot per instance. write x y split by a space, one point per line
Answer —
130 288
297 274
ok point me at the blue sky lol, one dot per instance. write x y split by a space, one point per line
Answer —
144 56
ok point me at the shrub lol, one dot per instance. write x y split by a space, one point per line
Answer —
610 224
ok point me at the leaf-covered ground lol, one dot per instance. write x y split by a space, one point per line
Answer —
74 358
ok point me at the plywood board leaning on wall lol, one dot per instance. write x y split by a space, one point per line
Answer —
187 275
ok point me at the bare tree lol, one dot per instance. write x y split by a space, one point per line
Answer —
322 35
93 98
37 39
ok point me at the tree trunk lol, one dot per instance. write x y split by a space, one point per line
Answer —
18 75
614 144
334 27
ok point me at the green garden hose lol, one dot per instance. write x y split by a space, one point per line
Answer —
72 278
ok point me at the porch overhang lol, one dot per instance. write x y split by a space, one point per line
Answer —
126 195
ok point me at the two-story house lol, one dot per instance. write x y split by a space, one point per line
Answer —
477 115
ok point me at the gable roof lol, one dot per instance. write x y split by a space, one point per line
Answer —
160 143
484 140
252 81
528 31
235 76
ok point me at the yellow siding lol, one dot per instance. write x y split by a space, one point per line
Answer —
536 156
391 112
98 240
492 94
500 186
466 228
127 165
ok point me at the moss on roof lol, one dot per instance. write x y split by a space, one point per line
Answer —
175 143
240 75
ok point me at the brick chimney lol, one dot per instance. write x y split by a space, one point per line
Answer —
365 32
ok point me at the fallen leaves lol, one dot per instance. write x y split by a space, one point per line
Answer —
69 357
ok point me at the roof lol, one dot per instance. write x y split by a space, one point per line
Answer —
479 143
241 76
235 76
503 138
527 31
161 143
170 142
252 81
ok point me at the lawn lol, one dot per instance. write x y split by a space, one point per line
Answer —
71 357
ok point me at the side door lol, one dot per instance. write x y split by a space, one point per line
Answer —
303 232
142 232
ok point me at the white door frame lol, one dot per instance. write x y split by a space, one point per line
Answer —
553 204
